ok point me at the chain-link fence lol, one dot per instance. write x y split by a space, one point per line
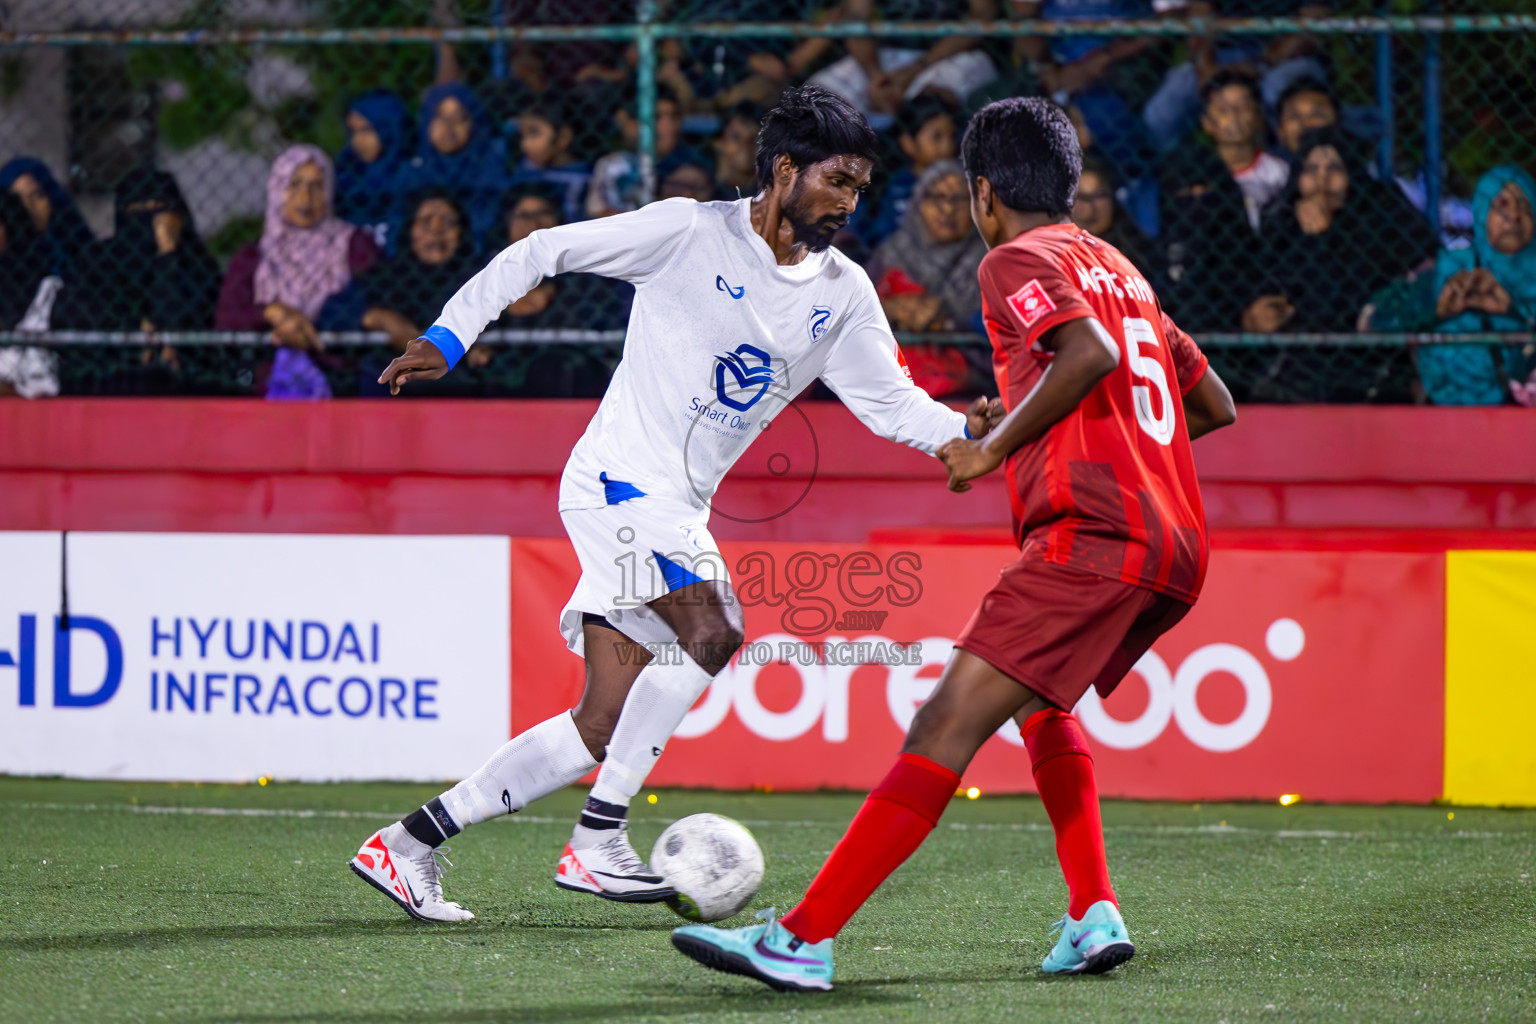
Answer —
235 197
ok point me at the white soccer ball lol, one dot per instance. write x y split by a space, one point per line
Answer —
714 864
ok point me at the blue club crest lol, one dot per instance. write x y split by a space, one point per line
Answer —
818 323
749 367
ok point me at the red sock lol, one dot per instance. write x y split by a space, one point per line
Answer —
1063 766
895 819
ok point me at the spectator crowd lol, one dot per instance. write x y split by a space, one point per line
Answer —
1225 168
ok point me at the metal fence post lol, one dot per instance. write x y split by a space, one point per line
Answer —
1384 161
1432 126
645 99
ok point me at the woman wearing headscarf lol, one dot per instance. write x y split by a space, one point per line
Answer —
52 209
1488 286
377 126
153 274
459 152
1336 238
404 294
306 254
925 275
25 259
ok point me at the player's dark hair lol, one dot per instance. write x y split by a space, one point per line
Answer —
1304 86
1225 78
1027 148
918 111
810 125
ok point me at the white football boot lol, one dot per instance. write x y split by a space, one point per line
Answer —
409 872
613 870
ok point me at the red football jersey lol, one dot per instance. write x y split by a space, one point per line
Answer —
1110 488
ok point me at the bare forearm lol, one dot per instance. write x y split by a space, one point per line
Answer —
1071 377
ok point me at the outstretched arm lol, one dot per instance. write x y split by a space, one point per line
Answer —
1084 355
631 247
866 371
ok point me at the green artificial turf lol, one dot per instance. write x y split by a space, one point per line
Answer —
119 905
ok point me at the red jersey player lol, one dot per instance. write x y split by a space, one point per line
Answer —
1112 549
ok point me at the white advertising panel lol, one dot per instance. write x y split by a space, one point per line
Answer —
226 657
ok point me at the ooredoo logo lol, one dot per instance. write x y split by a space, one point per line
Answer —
1173 695
824 676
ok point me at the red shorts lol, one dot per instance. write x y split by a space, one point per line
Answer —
1059 630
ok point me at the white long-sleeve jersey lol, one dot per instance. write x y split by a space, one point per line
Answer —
721 338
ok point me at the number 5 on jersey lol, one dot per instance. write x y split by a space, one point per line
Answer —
1139 332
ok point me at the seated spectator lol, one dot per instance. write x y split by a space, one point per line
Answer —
736 153
52 209
1096 210
459 152
1277 62
377 127
729 72
1087 72
306 254
1306 106
1489 286
1336 239
925 273
1234 119
405 294
878 79
25 259
584 301
692 180
153 274
926 135
616 177
1206 248
546 137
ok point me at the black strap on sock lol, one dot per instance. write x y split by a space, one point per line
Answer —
431 823
600 814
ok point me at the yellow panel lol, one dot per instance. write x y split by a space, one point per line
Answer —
1490 678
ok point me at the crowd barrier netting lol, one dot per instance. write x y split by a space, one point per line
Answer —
1335 200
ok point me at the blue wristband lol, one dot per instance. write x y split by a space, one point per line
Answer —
968 435
447 343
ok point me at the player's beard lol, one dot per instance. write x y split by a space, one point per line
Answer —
815 235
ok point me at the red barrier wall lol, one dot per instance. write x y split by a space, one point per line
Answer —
1279 681
406 466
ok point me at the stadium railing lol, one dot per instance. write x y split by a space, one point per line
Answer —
1434 97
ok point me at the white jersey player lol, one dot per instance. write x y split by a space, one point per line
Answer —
738 307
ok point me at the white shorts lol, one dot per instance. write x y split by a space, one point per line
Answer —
631 553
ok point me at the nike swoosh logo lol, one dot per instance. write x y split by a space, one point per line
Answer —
735 293
763 951
412 893
627 878
1081 937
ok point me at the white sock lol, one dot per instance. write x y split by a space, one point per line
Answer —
532 764
660 697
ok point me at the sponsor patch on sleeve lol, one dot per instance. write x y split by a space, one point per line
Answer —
1031 303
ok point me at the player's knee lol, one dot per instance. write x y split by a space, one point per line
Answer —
596 728
713 643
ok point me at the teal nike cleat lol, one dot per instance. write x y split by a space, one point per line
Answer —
768 952
1097 943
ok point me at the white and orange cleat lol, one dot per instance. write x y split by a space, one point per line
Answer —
409 872
613 871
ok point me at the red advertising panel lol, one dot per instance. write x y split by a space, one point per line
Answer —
1317 673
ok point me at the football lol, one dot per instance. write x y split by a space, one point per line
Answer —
714 864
